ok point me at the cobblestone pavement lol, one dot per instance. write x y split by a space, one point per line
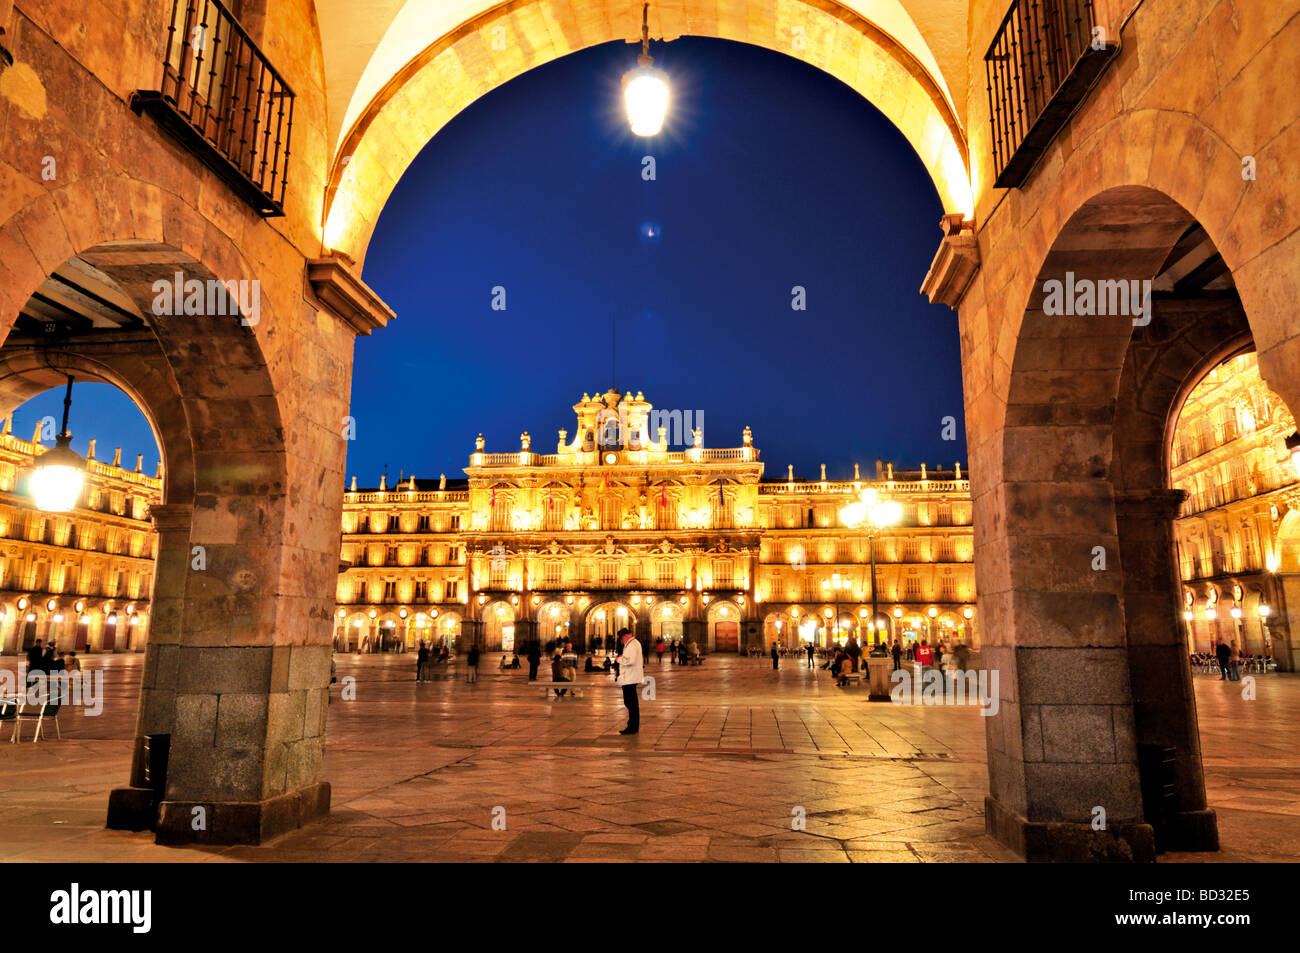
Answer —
730 759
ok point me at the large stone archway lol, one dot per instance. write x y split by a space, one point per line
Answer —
1076 559
507 40
237 663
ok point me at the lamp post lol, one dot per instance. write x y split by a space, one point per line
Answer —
872 514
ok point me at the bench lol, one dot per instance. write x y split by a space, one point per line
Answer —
854 678
697 660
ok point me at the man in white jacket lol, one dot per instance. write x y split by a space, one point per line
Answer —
630 672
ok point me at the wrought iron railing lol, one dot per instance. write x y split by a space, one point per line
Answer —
1034 80
225 90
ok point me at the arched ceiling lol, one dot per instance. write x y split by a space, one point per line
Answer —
398 70
366 42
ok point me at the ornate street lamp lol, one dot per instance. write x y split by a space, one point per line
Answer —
645 89
872 514
58 474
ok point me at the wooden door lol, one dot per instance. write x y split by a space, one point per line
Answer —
726 637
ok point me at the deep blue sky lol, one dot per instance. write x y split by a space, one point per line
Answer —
770 174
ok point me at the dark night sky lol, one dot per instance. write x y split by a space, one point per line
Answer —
770 174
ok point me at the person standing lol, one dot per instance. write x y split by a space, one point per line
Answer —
897 653
630 673
924 656
659 650
534 659
776 658
811 659
421 660
1234 662
471 664
1222 653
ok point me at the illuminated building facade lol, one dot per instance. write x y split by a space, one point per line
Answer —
615 528
1238 536
82 578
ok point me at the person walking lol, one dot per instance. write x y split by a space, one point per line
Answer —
631 671
471 664
811 657
897 653
924 656
534 659
1222 653
1234 662
659 650
776 657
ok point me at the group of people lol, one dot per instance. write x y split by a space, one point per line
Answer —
847 659
1229 659
425 660
42 659
679 651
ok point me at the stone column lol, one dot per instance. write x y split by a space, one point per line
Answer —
1164 704
245 716
1062 743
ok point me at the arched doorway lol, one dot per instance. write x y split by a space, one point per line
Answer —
553 622
603 620
724 620
498 627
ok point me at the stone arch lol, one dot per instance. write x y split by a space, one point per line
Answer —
460 66
144 379
1169 153
212 397
1084 468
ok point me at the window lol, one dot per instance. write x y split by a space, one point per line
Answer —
608 573
453 587
390 591
394 523
453 554
913 587
723 574
455 522
499 567
553 572
423 525
666 574
390 556
421 592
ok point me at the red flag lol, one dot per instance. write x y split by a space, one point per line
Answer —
494 497
550 503
663 494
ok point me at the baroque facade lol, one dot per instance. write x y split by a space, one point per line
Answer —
82 578
1238 537
614 528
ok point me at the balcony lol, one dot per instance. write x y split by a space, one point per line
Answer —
224 102
1039 68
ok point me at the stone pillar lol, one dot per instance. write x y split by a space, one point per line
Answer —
1164 704
245 716
1062 742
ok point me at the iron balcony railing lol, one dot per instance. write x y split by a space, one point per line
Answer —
1040 65
222 97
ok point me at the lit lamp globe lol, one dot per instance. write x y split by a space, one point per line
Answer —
57 477
645 89
645 94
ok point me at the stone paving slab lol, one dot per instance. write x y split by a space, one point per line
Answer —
729 757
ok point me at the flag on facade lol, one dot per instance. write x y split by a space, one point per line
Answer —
550 503
663 495
494 497
604 481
